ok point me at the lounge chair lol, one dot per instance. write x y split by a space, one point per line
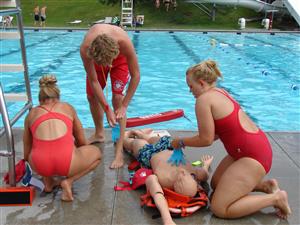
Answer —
107 20
75 22
98 21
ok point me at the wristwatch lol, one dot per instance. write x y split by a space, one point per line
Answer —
181 144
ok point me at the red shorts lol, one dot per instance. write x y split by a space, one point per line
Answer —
119 76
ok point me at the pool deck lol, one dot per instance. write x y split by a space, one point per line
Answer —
96 202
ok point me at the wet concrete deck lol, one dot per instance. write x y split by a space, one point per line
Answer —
96 202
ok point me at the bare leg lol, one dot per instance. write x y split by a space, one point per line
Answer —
224 164
97 114
84 160
156 192
133 145
50 184
119 158
231 199
143 133
146 135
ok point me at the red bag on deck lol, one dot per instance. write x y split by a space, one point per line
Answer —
138 180
20 169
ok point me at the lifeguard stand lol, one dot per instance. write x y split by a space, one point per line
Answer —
127 13
9 8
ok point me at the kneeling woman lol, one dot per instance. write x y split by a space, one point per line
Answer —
54 141
249 156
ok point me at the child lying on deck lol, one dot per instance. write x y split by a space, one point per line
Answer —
184 179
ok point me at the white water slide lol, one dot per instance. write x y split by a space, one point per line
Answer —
294 8
283 6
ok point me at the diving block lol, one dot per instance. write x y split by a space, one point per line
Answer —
8 3
16 196
9 35
11 68
15 97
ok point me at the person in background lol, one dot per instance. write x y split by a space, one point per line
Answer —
174 3
43 16
167 4
157 4
249 156
107 49
54 141
36 14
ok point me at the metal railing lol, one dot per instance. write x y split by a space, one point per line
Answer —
7 128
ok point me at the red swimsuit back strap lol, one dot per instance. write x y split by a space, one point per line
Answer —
222 91
48 110
47 116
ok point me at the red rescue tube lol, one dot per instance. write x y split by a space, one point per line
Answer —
154 118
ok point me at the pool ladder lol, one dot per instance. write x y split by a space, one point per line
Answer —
13 8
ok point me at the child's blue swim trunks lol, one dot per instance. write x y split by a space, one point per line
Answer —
146 152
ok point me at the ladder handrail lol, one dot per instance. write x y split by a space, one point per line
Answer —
9 140
24 57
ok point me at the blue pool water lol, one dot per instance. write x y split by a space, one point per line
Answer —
260 70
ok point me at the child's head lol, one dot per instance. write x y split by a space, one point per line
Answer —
103 50
48 88
185 183
206 71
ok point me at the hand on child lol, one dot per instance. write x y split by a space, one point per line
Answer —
177 157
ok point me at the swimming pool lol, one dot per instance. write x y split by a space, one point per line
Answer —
260 70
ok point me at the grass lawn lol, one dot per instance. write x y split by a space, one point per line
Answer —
60 12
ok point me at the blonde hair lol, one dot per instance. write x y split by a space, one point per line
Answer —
206 70
48 88
103 49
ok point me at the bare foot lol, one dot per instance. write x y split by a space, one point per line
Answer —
118 161
66 191
270 186
282 205
96 138
50 184
207 160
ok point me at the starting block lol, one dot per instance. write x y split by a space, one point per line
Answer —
16 196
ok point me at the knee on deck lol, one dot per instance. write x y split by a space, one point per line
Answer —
219 209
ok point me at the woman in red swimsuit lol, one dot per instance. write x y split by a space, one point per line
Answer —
249 156
54 142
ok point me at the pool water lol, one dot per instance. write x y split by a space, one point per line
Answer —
261 71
